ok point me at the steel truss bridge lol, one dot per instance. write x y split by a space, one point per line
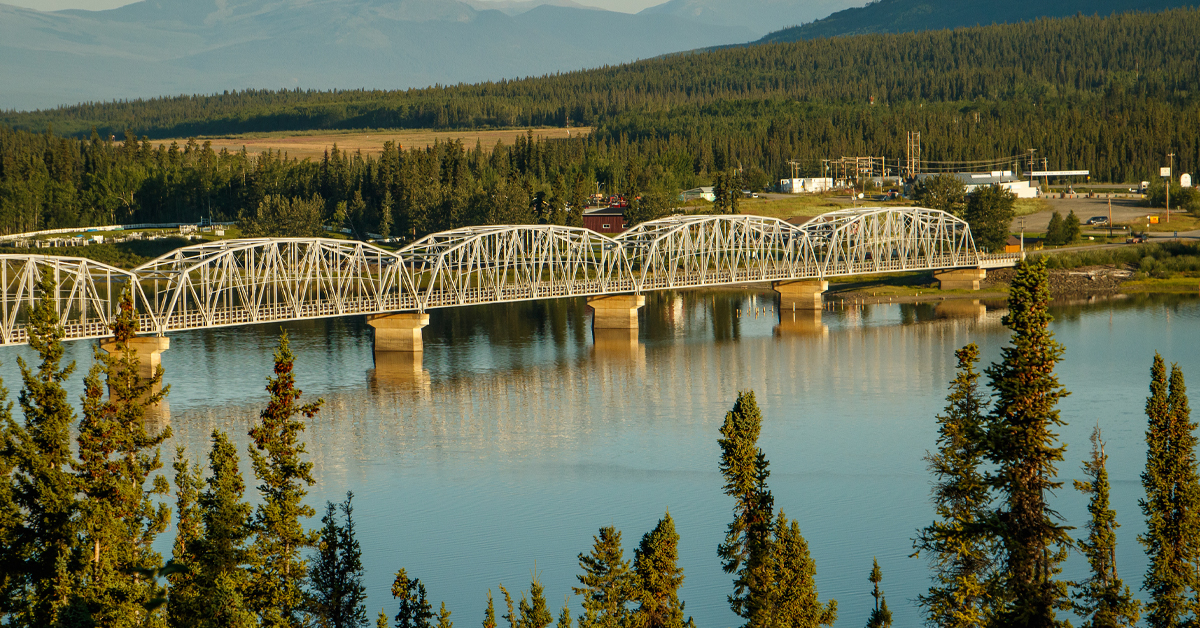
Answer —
249 281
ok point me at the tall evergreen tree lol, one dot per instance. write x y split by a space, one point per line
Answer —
1055 235
957 546
1023 449
564 616
414 610
1103 600
184 593
880 617
794 594
444 618
119 516
659 576
385 214
42 561
989 212
10 514
746 551
1071 229
489 615
222 553
607 582
533 612
276 591
338 596
1172 538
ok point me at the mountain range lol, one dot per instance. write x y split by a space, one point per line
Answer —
165 47
903 16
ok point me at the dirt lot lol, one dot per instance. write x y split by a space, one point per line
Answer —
370 142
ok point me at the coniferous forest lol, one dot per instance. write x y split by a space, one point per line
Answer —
1113 95
85 494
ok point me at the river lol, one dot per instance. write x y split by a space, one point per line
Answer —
516 436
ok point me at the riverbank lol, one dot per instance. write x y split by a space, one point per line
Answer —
1065 283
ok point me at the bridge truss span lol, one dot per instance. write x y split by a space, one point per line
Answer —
512 263
248 281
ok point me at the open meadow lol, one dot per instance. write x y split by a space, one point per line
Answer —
312 145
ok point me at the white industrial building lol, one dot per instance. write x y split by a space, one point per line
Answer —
799 186
1003 178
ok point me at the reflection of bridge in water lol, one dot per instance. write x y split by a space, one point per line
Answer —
251 281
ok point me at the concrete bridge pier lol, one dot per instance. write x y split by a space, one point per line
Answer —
801 323
960 278
400 370
618 311
800 295
148 350
399 332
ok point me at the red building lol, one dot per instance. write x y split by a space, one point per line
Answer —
605 220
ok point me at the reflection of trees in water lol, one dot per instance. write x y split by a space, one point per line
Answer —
559 320
1072 309
582 393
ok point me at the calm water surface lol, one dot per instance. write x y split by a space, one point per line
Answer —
517 436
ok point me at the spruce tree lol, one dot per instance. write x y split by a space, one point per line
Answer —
564 616
337 594
957 546
746 551
794 594
489 615
534 613
1103 600
10 515
119 516
42 561
276 592
607 582
385 214
1070 228
880 617
414 610
222 553
1172 538
444 618
1055 235
184 593
1023 449
659 576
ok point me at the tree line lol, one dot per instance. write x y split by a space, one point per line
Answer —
48 182
78 521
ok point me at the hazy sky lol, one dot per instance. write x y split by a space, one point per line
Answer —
628 6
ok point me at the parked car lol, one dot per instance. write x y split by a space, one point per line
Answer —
1098 220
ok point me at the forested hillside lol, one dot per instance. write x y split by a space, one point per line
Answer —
905 16
1112 95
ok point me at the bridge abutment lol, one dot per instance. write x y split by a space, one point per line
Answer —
800 295
960 279
618 311
399 332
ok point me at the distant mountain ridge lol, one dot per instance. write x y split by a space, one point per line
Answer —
161 47
759 16
903 16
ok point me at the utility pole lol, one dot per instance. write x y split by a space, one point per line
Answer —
1031 151
1170 170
